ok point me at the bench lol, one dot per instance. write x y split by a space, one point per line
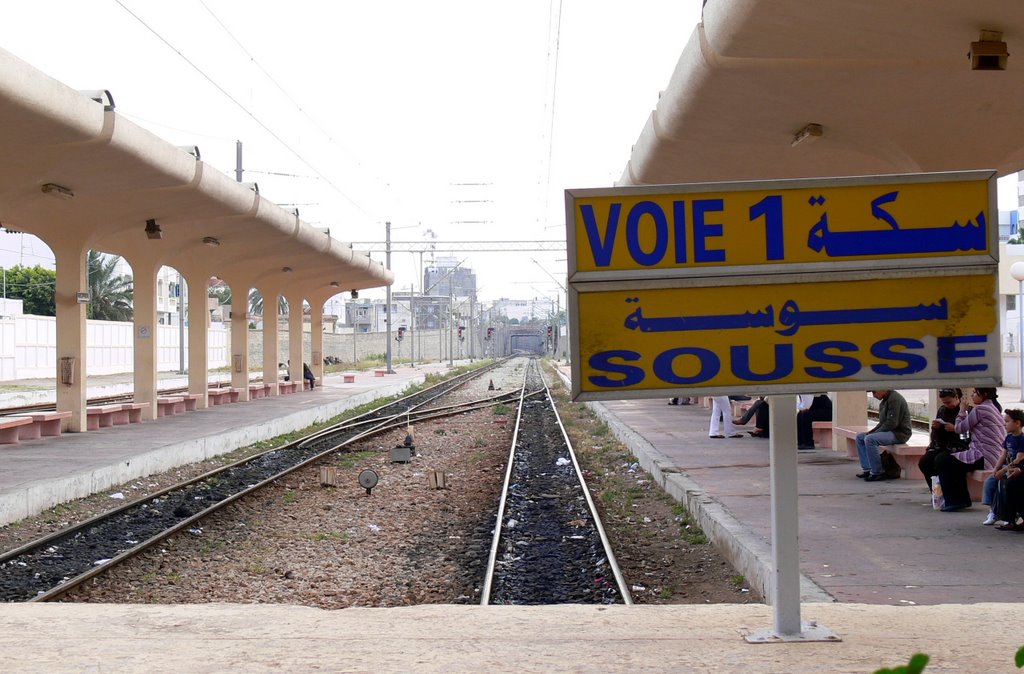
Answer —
168 407
906 455
104 416
43 424
257 391
850 433
134 411
348 377
976 483
822 433
10 429
307 385
379 373
191 401
286 387
221 396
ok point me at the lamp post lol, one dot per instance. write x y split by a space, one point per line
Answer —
1017 271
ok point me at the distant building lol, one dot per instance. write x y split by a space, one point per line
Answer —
446 279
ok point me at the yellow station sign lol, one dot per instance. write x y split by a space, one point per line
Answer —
697 229
787 337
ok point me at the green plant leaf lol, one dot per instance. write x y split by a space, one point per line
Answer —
1019 658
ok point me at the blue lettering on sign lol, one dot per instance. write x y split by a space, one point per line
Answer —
740 356
899 356
603 361
660 233
949 355
886 349
679 222
602 249
702 230
664 365
848 365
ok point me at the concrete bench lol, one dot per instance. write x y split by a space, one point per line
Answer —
221 396
822 433
348 377
10 429
307 385
191 401
286 387
909 454
43 424
134 411
850 434
976 483
168 407
257 391
379 373
104 416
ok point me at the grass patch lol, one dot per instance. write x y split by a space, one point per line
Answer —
501 409
353 459
330 536
290 496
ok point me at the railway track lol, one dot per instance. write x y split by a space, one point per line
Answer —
549 546
47 568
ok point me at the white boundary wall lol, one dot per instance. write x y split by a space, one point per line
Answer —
28 347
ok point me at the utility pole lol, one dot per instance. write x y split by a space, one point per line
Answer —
181 324
412 325
387 264
451 324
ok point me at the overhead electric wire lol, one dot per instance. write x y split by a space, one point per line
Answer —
256 119
554 98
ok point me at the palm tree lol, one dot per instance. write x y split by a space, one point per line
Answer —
110 294
256 303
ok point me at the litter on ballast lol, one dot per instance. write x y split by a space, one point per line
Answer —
117 495
562 461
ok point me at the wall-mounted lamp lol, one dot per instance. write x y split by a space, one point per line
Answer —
57 191
211 241
809 132
153 230
101 96
989 53
334 284
192 150
355 294
286 270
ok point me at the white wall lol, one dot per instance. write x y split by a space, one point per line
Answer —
28 347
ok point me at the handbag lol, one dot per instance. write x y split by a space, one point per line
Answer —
937 500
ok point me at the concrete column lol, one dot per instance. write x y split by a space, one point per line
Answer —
240 338
271 357
198 339
145 329
295 336
72 278
316 339
849 408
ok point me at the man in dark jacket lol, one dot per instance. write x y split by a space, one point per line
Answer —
893 428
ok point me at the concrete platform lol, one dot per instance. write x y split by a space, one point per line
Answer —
37 474
52 638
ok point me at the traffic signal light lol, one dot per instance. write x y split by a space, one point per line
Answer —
550 331
490 333
401 332
461 328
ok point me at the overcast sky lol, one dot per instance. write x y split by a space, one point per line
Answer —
462 118
466 118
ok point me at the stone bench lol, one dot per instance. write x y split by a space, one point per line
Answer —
286 387
10 429
906 455
379 373
134 411
822 433
976 483
43 424
104 416
257 391
191 401
168 407
221 396
348 377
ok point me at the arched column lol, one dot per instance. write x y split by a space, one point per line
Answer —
295 336
270 340
72 278
239 336
144 331
198 284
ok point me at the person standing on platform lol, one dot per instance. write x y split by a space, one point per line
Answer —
721 415
893 428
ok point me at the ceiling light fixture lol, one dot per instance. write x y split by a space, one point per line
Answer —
335 284
989 53
153 230
355 294
286 270
211 241
809 132
56 190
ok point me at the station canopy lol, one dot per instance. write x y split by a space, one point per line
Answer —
72 168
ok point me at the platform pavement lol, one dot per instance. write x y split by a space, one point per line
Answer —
37 474
866 542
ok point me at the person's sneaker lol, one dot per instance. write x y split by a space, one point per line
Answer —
991 519
879 477
865 475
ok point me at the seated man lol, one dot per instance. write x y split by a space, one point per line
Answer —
893 428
